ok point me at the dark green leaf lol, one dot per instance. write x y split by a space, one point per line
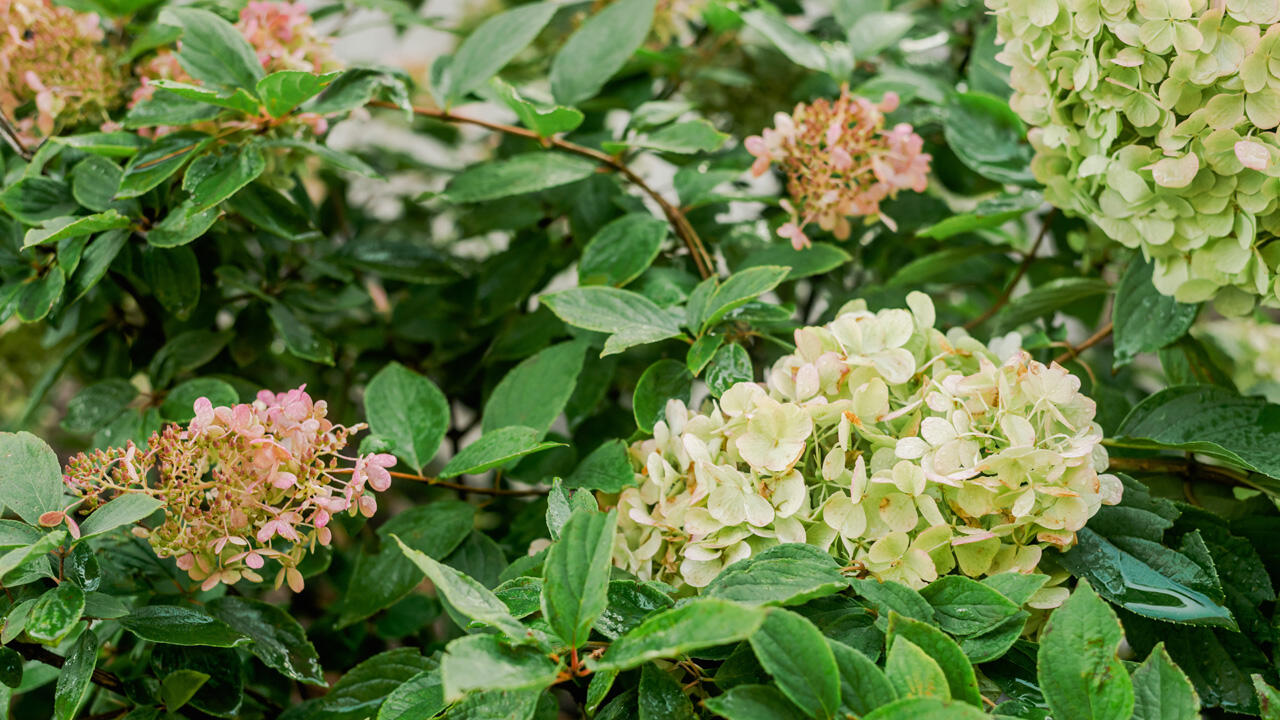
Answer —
491 46
494 448
794 652
622 250
576 575
607 468
517 175
730 366
664 380
536 391
277 639
75 678
484 662
863 685
788 574
961 680
701 623
177 625
98 404
1145 320
1077 665
988 137
967 607
407 410
213 50
154 164
174 277
661 697
754 702
216 176
599 49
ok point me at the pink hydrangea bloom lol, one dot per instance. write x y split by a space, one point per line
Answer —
241 484
58 58
284 38
840 162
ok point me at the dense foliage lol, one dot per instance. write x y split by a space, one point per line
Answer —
639 359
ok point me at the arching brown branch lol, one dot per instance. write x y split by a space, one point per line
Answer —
1103 333
679 223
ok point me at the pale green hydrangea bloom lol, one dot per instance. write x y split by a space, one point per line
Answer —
1156 120
1253 347
905 452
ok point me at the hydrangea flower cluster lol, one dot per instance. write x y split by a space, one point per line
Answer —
840 162
905 452
281 33
55 61
1156 120
241 485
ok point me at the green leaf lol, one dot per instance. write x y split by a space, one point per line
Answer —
522 595
381 580
365 687
30 476
238 100
1268 699
964 606
355 87
216 176
494 448
598 49
629 604
684 138
422 696
178 625
661 697
125 509
1048 298
1162 691
167 109
518 175
797 46
1211 420
622 250
988 137
55 613
561 504
1146 320
700 623
183 224
39 294
630 318
212 49
542 118
75 678
105 144
408 411
788 574
95 261
863 685
607 468
465 594
736 291
913 673
179 404
277 639
817 259
506 704
98 404
159 161
174 277
961 680
794 652
730 366
662 381
889 595
491 46
300 339
1134 583
68 227
925 708
536 391
10 667
876 31
576 575
485 662
94 182
989 213
1079 673
283 91
35 199
336 158
754 702
702 352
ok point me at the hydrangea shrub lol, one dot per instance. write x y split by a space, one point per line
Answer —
637 359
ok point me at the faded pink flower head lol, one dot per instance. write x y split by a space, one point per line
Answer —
241 484
60 59
840 162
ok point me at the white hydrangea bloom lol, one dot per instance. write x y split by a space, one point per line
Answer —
905 452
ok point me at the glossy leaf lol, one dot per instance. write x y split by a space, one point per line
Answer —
408 411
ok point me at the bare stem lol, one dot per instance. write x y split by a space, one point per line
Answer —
1072 351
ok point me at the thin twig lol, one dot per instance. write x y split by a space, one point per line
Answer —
1023 267
1072 351
15 141
679 223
